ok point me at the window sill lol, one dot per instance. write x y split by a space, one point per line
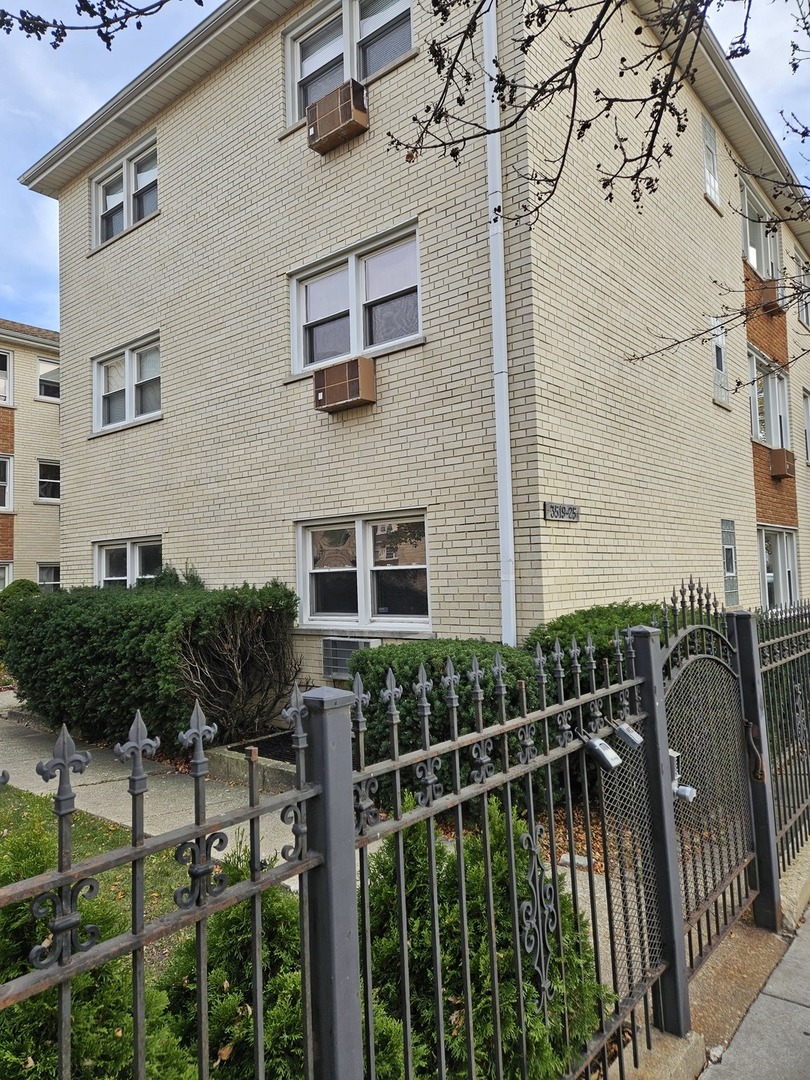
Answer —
124 232
373 631
400 60
722 404
49 400
47 502
715 206
375 354
126 426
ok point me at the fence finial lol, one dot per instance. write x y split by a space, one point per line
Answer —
138 745
66 759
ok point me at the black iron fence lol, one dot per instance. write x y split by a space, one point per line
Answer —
509 894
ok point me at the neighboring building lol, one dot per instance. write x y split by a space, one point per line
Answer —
219 277
30 475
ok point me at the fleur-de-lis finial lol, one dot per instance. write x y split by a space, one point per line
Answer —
474 674
4 778
392 693
198 733
450 682
423 685
66 759
139 745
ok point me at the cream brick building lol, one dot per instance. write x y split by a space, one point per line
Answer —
213 264
30 478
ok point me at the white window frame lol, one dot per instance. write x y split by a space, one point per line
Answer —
354 259
129 353
49 586
125 166
8 399
784 572
7 505
132 548
52 363
711 167
751 208
6 574
803 283
719 362
769 381
806 414
351 43
41 480
365 618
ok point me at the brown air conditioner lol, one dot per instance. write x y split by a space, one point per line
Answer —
345 385
770 298
337 117
783 463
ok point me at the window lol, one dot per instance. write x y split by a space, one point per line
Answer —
769 402
802 287
127 385
710 162
732 591
360 572
5 483
367 300
126 193
123 563
49 480
5 378
6 575
48 577
806 409
719 368
351 40
760 242
777 567
48 386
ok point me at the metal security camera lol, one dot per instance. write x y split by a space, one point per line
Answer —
628 735
605 756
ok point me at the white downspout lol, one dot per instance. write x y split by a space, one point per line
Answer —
500 364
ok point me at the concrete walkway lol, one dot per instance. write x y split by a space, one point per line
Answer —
102 788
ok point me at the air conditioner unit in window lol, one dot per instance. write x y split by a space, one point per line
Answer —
783 463
771 297
337 117
336 653
345 385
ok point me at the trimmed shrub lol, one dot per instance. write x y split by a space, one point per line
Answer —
17 588
101 1001
90 657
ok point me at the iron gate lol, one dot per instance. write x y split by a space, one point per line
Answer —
706 730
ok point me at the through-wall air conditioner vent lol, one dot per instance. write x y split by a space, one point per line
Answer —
337 117
336 653
783 463
345 385
771 297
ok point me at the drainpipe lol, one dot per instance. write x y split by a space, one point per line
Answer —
500 366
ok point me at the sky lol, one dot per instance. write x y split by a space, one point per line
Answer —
46 93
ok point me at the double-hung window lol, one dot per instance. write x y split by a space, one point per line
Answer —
5 377
711 169
352 39
48 577
769 402
49 483
126 192
48 379
760 235
777 567
127 385
6 470
802 286
123 563
367 300
719 367
361 572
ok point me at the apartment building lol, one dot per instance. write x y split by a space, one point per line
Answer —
287 352
30 475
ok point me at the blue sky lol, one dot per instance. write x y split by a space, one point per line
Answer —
45 94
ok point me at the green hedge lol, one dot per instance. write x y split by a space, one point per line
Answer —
600 621
90 657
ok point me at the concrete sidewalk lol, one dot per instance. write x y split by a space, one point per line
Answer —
102 788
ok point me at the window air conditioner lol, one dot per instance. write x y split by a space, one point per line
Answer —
783 463
771 297
336 653
337 117
345 385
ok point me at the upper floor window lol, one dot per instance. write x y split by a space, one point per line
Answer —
802 286
5 483
49 481
769 402
5 377
368 299
123 563
126 193
48 383
719 367
711 169
760 236
349 40
127 385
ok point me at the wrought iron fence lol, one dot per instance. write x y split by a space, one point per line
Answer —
784 655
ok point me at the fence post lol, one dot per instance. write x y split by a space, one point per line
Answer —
674 1015
334 956
742 633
